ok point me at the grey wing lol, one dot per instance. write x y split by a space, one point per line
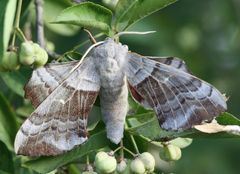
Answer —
59 123
171 61
179 99
45 79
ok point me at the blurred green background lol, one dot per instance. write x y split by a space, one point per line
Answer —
206 34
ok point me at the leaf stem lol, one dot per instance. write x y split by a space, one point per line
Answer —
121 151
133 140
87 160
134 144
122 148
17 21
20 34
117 149
87 41
129 151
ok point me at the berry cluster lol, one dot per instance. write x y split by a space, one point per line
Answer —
142 163
29 54
106 163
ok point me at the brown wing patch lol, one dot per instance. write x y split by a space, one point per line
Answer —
45 79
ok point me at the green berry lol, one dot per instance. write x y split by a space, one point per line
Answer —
181 142
121 167
137 166
10 61
170 153
148 161
27 53
50 46
36 47
27 48
104 163
41 56
100 156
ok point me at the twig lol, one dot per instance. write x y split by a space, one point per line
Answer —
39 22
85 42
53 54
90 36
121 151
17 21
40 28
27 30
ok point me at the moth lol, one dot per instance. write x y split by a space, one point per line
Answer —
63 97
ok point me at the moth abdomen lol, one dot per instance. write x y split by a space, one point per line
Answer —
114 107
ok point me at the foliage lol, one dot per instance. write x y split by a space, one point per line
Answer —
87 15
6 18
99 19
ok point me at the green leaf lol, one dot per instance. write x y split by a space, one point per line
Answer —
18 166
15 81
73 169
136 108
128 12
94 118
181 142
228 119
8 123
6 162
3 172
25 110
7 12
47 164
141 128
88 15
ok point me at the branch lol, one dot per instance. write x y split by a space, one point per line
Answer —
39 22
53 54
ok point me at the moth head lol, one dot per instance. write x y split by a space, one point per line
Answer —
111 49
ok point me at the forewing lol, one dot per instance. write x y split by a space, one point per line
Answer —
179 99
60 122
171 61
45 79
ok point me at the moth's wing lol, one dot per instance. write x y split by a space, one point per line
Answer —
179 99
171 61
45 79
60 122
